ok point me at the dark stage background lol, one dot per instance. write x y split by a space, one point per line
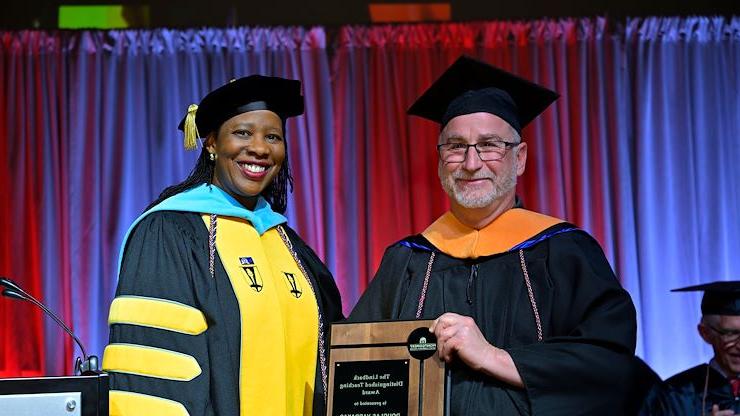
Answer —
335 13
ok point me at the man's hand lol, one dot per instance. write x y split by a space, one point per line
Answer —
717 412
459 336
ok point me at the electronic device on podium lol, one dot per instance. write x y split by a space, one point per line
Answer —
85 394
386 368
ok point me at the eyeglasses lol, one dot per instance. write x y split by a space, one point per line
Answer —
488 151
727 336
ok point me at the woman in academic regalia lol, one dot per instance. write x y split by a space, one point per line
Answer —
221 309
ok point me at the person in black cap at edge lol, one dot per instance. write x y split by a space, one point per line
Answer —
221 308
713 388
528 314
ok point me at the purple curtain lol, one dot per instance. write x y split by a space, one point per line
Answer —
641 150
684 177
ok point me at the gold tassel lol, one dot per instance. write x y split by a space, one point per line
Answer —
191 129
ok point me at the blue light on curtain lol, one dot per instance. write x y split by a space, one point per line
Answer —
646 155
686 176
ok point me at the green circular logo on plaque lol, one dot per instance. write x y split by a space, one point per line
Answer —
422 344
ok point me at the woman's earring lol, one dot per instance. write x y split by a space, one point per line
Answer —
212 156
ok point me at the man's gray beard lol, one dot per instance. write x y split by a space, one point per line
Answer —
501 186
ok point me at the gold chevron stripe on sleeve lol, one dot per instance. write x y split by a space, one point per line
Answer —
126 403
149 361
157 313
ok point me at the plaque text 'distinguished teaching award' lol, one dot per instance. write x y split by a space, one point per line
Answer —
386 368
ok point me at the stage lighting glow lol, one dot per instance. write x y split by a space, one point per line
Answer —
410 12
105 16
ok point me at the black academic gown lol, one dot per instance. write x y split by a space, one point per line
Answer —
167 257
583 366
683 394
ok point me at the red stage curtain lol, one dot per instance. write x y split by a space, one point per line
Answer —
388 159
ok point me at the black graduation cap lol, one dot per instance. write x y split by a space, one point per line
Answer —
471 86
255 92
720 298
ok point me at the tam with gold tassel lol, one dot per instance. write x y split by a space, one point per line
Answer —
191 129
255 92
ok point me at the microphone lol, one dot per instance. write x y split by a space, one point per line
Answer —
86 366
10 293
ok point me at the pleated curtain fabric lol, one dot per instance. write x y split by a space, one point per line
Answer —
641 150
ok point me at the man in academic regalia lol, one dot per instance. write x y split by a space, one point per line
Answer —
713 388
528 314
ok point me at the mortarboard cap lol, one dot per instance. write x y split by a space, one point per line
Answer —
255 92
471 86
720 298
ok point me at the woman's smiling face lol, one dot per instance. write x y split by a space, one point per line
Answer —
250 150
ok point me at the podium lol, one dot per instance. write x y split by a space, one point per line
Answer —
54 396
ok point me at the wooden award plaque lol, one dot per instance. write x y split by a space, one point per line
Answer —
386 368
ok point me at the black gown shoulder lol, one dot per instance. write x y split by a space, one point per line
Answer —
587 320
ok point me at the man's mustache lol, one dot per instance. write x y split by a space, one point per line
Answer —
477 175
